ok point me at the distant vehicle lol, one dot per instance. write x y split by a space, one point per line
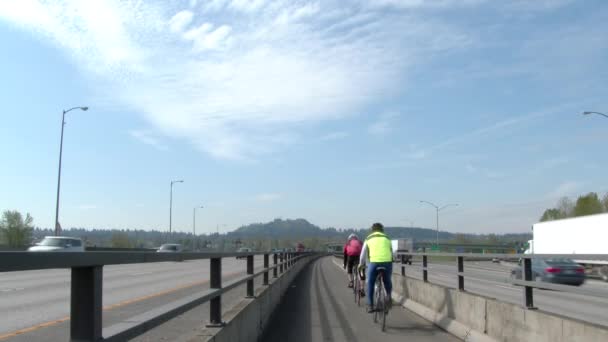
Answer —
495 260
276 250
300 247
579 235
243 250
559 271
403 246
170 248
58 244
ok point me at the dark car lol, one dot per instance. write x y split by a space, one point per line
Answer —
558 271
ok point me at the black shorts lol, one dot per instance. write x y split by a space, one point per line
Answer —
351 262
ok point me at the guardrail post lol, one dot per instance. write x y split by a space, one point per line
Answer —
403 265
266 265
215 282
528 297
249 272
425 273
86 303
281 257
460 275
275 258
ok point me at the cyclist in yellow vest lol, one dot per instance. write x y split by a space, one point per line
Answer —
378 249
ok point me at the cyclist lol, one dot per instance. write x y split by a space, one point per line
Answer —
378 249
352 250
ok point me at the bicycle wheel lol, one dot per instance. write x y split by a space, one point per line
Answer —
383 298
380 299
377 303
356 289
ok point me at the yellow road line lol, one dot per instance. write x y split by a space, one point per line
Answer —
107 307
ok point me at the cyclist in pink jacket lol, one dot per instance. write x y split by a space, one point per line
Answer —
352 251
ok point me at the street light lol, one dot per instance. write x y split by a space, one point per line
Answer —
194 219
438 210
57 226
171 203
598 113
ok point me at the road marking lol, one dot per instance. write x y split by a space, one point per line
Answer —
141 273
12 289
107 307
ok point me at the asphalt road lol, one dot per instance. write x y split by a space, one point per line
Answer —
35 304
319 307
492 280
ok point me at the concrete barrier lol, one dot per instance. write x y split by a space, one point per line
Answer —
473 317
247 320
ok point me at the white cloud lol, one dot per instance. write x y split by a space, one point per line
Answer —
268 197
235 77
180 20
565 189
334 136
383 125
145 136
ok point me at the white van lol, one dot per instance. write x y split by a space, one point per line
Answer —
58 244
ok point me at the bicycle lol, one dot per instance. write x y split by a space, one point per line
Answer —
358 288
381 305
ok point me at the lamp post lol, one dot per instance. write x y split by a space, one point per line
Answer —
57 226
171 204
598 113
438 209
194 219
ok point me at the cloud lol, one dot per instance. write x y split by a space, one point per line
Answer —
383 125
144 136
268 197
565 189
334 136
237 78
180 20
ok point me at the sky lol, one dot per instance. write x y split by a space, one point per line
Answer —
341 112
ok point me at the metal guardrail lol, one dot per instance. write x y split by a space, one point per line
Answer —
527 283
87 286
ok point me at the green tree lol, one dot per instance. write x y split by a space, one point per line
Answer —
565 206
588 205
552 214
16 231
120 240
605 202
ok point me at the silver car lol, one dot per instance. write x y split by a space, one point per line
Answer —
170 248
58 244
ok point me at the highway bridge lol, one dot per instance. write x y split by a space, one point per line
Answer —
144 296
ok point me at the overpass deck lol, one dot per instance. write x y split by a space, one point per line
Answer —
319 307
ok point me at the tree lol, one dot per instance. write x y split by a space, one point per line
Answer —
16 231
605 202
565 206
552 214
588 205
120 240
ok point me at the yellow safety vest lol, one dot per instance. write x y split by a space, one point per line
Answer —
379 247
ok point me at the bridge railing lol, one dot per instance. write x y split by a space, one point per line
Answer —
87 285
527 282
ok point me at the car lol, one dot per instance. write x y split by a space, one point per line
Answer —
243 250
170 248
558 271
495 260
58 244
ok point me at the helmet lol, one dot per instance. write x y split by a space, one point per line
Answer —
353 236
378 227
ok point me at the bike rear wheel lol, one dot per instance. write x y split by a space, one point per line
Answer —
380 305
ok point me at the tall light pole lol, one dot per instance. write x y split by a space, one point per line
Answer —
438 209
171 203
598 113
411 222
194 219
57 226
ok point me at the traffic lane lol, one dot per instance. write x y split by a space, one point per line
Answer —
181 328
581 307
47 300
319 307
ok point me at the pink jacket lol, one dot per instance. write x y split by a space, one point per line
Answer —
353 247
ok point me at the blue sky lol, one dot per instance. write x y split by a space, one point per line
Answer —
341 112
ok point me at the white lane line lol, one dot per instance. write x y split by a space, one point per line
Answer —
12 289
508 287
142 273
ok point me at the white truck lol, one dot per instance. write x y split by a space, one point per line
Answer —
401 246
578 235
